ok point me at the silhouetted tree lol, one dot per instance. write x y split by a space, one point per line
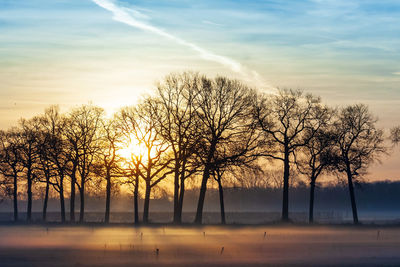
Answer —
82 132
395 135
224 110
110 140
152 162
156 160
254 177
46 170
315 156
53 126
358 144
177 124
285 118
10 162
126 123
217 174
29 156
238 152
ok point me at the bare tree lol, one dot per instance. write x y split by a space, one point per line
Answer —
73 137
110 140
53 125
53 162
151 161
82 132
316 154
156 160
223 108
395 135
221 172
29 156
358 144
126 123
177 124
46 170
253 178
285 118
133 173
10 162
217 173
239 152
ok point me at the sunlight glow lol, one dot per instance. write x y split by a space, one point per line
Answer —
132 148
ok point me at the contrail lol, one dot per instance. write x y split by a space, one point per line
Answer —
121 15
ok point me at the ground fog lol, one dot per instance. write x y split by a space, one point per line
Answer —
199 246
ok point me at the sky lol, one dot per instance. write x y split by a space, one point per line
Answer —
73 52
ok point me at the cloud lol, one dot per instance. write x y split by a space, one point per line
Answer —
396 73
134 19
212 23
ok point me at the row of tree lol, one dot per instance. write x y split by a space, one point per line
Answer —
193 128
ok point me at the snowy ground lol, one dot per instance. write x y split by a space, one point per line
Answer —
199 246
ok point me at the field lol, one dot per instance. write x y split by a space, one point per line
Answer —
199 246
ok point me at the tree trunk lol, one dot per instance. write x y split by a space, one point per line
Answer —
146 203
181 196
46 199
72 198
285 199
311 210
62 202
203 189
82 197
108 197
15 198
176 194
221 200
352 196
29 191
136 199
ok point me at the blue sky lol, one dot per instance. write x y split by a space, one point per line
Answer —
72 52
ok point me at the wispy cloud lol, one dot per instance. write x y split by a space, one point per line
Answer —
135 19
396 73
212 23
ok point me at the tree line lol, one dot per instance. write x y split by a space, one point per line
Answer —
193 128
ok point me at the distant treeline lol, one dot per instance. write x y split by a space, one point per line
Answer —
194 130
376 197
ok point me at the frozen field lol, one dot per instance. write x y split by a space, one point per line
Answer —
199 246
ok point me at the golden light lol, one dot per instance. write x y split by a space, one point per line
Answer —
132 148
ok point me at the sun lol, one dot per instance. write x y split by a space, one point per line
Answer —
131 148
